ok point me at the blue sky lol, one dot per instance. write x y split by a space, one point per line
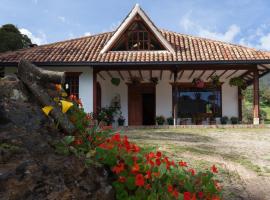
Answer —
245 22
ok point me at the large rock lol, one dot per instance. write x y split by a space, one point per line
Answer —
29 166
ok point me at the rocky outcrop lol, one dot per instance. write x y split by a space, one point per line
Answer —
29 166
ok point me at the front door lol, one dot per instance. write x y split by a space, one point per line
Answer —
141 104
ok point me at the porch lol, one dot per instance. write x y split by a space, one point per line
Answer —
145 92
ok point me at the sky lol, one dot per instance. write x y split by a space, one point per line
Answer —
245 22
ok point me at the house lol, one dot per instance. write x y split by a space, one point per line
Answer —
155 69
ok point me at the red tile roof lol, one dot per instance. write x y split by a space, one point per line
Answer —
87 50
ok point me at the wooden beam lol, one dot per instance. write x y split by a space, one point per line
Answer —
171 75
150 74
201 75
130 75
181 74
222 73
256 98
264 66
100 75
140 72
95 91
160 76
121 75
174 98
109 74
191 74
211 74
231 74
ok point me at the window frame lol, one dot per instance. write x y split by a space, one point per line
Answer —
74 87
186 86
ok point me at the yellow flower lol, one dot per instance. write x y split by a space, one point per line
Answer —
66 105
47 109
56 99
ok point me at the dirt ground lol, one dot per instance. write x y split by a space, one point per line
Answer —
242 155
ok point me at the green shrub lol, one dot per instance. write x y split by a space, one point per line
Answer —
224 120
170 120
160 120
234 120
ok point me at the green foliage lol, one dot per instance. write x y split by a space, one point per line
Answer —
224 120
239 82
115 81
160 120
107 114
11 39
170 120
234 120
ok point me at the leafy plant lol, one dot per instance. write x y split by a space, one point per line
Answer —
154 80
107 114
224 120
160 120
121 120
143 174
239 82
115 81
215 82
170 120
234 120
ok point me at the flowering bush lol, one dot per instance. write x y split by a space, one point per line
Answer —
138 173
151 175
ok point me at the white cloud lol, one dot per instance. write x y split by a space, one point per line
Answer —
62 19
264 42
36 39
87 34
228 36
191 26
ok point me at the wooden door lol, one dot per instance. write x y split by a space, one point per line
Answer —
136 107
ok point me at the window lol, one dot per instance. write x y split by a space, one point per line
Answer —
72 83
137 38
194 101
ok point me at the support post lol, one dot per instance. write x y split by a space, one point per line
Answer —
256 98
94 91
174 98
240 100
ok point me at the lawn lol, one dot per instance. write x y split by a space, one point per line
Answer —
242 155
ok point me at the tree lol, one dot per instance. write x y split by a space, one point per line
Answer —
11 38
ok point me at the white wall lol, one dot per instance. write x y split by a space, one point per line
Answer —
229 100
10 70
164 99
109 91
85 84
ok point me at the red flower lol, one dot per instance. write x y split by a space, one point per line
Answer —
139 180
116 137
200 195
122 179
170 188
158 162
192 171
187 196
182 164
135 168
148 186
118 168
78 142
135 148
215 198
214 169
148 174
158 154
175 193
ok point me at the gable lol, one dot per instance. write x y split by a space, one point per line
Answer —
137 32
137 36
